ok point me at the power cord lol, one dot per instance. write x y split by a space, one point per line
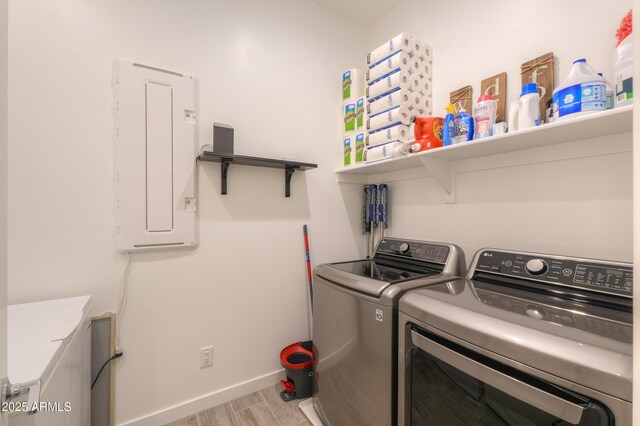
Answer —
124 283
116 355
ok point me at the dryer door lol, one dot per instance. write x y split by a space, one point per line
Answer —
452 385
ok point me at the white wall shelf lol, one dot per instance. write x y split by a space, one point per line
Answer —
441 162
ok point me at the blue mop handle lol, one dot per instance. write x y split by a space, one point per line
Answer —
373 200
383 202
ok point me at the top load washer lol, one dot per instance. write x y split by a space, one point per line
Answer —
355 326
526 339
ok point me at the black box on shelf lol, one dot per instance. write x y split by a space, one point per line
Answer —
222 138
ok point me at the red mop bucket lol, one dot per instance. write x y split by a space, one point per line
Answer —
297 360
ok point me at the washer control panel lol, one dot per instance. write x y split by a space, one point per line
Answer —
610 277
418 250
567 317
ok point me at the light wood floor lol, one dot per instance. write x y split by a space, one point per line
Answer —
262 408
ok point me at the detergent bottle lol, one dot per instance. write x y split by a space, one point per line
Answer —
428 131
525 112
449 131
623 72
464 124
484 115
609 91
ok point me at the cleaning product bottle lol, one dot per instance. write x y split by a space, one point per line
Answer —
609 91
464 124
428 131
583 92
623 72
526 112
484 115
449 131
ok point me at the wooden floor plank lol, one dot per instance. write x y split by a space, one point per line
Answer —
287 413
257 415
222 415
262 408
186 421
246 401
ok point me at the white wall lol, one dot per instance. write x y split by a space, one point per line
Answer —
636 224
3 192
272 70
579 207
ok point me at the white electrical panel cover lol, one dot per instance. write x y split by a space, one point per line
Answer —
155 139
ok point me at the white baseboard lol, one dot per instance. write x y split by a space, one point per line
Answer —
204 402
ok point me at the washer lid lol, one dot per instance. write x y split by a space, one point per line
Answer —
369 276
591 347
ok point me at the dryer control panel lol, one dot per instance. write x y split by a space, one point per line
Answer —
602 276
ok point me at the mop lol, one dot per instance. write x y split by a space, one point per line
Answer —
307 405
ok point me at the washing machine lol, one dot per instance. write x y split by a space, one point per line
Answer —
526 339
355 323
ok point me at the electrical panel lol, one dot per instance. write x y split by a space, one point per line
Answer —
156 149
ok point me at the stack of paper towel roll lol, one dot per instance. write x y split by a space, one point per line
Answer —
398 86
354 115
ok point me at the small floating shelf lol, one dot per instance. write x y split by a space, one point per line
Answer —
226 160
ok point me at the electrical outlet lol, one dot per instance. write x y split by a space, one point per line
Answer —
206 357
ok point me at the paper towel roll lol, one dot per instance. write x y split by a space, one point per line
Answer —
400 79
416 47
347 148
428 105
416 83
390 101
359 149
416 66
427 69
399 60
427 53
400 115
382 152
352 84
416 100
425 87
349 116
400 42
361 113
399 132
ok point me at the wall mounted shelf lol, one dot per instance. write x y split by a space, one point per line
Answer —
226 160
438 162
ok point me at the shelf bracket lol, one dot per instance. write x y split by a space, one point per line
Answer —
224 168
442 172
288 172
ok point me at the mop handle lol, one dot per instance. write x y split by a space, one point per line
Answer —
373 200
309 276
383 202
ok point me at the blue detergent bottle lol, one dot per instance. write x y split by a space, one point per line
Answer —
464 125
449 125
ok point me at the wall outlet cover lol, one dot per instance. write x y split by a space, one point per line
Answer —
206 357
